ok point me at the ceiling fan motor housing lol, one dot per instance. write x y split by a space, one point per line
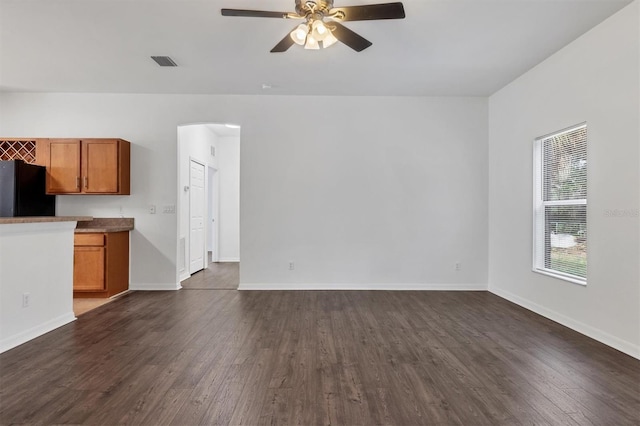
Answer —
304 7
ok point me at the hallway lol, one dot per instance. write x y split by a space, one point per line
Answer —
219 276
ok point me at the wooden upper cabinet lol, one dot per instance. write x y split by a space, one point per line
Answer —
88 166
100 166
63 166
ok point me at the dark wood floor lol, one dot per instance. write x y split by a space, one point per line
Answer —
218 276
339 358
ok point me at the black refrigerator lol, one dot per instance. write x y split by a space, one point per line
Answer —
22 190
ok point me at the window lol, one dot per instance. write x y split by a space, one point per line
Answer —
560 217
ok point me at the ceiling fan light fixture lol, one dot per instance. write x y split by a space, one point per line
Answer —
299 34
319 30
329 40
312 43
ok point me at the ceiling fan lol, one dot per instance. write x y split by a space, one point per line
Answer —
315 31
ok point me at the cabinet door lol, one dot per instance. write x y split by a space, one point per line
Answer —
63 166
100 166
88 268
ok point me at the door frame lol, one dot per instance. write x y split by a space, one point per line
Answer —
205 215
182 241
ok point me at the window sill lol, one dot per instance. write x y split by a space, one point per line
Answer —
565 277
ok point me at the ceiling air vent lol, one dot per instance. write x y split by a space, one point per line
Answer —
164 61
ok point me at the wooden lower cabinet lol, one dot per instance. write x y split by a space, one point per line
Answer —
100 264
88 269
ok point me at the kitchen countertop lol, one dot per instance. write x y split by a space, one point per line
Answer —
40 219
105 224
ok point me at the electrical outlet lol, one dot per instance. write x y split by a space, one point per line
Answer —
292 266
458 266
169 209
26 299
152 209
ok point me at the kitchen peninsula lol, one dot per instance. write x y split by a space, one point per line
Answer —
36 276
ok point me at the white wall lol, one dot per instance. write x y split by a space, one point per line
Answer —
594 79
379 193
212 213
376 192
229 187
37 259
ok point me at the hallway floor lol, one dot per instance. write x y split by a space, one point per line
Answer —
219 276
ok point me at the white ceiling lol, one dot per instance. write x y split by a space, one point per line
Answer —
442 48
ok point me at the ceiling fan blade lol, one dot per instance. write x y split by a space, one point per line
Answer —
284 44
348 37
254 13
369 12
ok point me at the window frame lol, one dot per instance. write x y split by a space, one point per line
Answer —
539 205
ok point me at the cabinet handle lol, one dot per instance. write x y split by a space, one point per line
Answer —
77 182
86 182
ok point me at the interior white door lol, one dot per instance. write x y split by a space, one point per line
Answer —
197 216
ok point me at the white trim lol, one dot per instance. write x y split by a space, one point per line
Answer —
37 331
565 130
537 251
122 293
229 259
205 253
155 286
560 203
364 286
589 331
561 276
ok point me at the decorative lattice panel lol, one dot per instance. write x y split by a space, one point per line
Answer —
18 150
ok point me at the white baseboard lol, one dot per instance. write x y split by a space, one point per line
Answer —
229 259
155 286
363 286
37 331
596 334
